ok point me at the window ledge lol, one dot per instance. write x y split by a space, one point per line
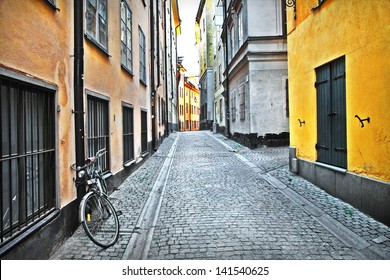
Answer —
126 69
106 175
28 232
52 5
129 163
97 44
143 82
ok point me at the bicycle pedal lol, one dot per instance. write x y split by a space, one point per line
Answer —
119 213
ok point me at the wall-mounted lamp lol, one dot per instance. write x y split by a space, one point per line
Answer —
291 3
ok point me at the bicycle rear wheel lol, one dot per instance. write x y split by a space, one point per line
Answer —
99 219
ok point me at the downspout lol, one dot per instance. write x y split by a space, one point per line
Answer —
158 45
227 114
166 70
79 92
171 70
153 87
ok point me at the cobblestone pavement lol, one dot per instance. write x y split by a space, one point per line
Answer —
130 198
223 201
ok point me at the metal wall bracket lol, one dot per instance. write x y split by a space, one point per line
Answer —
292 3
363 120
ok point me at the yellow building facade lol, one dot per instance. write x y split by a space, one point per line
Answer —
339 99
189 106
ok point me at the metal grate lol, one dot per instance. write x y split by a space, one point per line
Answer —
144 131
98 135
27 162
128 134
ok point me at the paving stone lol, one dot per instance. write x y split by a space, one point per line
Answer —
217 205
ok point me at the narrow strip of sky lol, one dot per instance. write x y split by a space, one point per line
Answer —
186 41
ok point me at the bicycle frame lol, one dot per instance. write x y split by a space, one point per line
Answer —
92 175
95 210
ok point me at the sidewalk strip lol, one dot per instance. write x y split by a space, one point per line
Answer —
140 240
343 233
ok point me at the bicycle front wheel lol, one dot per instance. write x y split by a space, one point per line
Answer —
99 219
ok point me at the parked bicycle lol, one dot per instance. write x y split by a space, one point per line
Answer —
96 213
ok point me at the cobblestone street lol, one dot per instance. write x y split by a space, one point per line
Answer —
203 196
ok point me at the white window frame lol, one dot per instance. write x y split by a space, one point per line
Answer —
142 56
96 15
126 37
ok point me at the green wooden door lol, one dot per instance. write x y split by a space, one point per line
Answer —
331 113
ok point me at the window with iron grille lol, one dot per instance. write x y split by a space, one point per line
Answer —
98 133
220 73
28 155
241 92
233 106
220 109
142 56
96 22
126 37
128 134
144 131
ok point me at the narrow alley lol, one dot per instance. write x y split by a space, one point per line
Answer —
203 196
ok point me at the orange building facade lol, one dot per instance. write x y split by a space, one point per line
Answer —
111 62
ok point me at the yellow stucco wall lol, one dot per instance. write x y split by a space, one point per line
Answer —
36 39
360 31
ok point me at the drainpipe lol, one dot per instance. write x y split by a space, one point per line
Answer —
227 114
153 87
79 92
166 70
171 70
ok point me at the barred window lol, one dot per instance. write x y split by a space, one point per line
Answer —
144 131
98 133
142 56
126 36
28 155
96 22
233 106
128 134
220 109
241 92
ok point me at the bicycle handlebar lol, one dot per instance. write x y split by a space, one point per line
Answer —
89 161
